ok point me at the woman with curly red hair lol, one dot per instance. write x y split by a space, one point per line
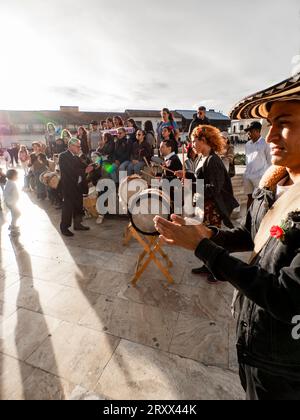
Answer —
219 200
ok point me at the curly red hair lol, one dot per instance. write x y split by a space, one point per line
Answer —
211 135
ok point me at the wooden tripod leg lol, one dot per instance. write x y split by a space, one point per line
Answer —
140 259
163 269
165 256
127 235
151 247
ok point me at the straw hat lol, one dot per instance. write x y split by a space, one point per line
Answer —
257 105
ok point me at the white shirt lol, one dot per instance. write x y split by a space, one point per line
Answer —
200 163
281 188
11 194
169 156
258 158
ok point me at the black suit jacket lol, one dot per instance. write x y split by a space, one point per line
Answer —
71 169
174 164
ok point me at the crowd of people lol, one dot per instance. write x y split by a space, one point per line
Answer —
266 299
123 147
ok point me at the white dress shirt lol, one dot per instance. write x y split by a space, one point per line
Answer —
258 158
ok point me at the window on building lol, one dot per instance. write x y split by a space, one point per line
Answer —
241 127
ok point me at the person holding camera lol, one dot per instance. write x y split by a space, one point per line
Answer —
73 172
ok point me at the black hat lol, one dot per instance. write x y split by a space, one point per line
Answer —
255 125
94 122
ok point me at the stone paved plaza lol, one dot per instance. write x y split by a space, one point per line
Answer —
72 327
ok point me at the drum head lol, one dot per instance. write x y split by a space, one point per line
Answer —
44 177
53 180
129 187
89 203
145 206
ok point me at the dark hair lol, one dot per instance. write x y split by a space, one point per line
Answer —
131 120
148 126
171 118
121 123
108 137
142 131
84 131
11 173
33 158
201 108
43 157
173 144
109 119
171 133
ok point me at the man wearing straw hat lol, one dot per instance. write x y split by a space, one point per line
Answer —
72 175
267 303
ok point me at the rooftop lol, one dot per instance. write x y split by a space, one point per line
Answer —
211 114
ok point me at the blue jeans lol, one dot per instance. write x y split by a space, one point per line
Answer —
40 188
124 166
135 168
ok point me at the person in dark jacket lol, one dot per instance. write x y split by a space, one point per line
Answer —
172 163
73 172
82 135
141 150
219 200
106 154
122 150
107 148
268 299
199 119
50 139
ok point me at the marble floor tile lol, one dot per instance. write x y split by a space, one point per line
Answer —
233 359
70 304
198 302
30 293
145 373
13 374
40 386
24 331
136 322
108 283
79 354
121 263
6 310
201 340
7 279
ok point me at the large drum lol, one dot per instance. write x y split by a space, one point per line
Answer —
50 179
145 206
89 204
129 187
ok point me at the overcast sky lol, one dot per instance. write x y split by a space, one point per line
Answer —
143 54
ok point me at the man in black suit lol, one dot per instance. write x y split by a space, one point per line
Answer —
73 172
171 160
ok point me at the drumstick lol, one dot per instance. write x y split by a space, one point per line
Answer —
145 173
149 166
183 161
146 161
166 169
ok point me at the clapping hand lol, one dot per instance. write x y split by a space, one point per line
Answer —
177 233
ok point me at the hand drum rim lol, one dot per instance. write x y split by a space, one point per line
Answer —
123 189
163 199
